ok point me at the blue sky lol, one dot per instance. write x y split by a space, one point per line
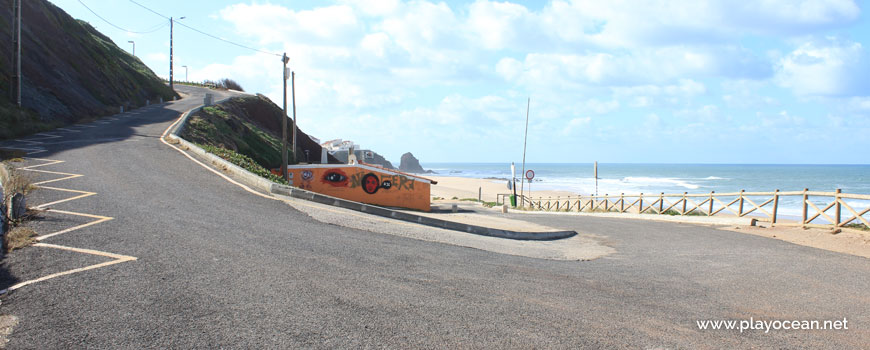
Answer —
773 81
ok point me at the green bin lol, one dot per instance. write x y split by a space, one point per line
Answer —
513 200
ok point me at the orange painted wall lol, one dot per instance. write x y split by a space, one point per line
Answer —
364 185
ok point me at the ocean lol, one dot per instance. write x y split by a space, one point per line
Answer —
678 178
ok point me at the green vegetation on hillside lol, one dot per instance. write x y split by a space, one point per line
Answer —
221 126
18 121
243 161
72 73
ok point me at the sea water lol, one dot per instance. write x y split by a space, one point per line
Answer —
615 179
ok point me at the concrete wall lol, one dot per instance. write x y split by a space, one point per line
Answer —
364 184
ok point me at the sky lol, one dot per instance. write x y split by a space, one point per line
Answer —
696 81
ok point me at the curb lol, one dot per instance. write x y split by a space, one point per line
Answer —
418 219
702 220
262 184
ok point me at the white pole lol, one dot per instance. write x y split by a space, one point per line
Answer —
525 140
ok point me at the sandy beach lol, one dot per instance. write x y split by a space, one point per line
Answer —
449 187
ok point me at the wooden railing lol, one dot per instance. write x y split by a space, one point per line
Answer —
763 206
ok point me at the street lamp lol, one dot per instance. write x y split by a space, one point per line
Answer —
171 75
185 73
134 47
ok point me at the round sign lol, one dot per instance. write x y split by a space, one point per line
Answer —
530 174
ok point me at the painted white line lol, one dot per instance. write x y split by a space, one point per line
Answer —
82 195
234 182
100 219
118 259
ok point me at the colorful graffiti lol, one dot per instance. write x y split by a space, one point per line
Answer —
334 177
366 184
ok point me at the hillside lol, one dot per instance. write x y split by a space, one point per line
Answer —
71 72
250 126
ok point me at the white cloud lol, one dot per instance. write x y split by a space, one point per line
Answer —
275 23
826 68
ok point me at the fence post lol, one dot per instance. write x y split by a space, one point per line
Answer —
640 202
684 203
480 194
558 204
606 203
710 212
804 204
775 206
837 213
740 213
622 202
661 202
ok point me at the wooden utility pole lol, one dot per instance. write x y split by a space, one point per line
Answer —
284 60
171 75
293 92
16 52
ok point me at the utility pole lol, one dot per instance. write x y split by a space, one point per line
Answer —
185 73
16 52
134 46
284 60
293 92
525 140
171 77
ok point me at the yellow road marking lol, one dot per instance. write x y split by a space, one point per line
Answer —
82 194
118 259
100 219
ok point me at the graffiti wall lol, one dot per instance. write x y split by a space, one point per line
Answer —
364 184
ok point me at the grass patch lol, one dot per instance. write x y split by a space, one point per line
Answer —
18 237
673 212
455 198
12 155
244 162
436 198
484 203
16 182
860 226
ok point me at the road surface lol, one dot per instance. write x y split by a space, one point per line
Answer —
187 260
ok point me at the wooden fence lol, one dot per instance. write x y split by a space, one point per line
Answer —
763 206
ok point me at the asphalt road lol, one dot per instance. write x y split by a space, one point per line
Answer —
219 267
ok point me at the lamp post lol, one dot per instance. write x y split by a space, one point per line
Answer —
185 73
171 75
284 60
134 47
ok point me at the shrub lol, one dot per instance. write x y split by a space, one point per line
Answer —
18 237
244 162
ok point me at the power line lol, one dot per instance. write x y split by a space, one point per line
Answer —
204 33
227 41
155 12
154 29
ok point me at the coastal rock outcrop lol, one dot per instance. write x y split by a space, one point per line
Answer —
410 164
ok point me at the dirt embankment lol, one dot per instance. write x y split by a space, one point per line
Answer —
250 126
70 72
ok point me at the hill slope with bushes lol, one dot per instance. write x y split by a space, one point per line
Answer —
71 72
250 126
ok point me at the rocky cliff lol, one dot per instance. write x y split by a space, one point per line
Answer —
410 164
70 72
